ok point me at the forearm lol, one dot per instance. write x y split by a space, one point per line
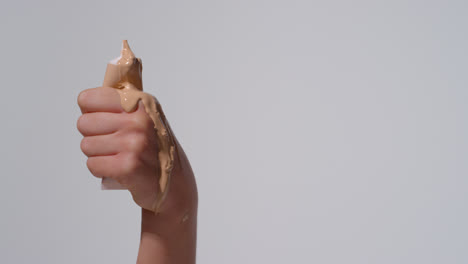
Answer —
168 240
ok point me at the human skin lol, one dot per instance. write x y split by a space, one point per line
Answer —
123 146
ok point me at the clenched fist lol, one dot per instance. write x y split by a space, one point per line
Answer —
124 147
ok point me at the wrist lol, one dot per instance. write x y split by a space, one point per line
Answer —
168 238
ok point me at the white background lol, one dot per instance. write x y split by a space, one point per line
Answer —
319 131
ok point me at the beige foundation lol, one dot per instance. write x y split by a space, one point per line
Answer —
124 74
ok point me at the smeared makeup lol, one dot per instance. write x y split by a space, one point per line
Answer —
125 74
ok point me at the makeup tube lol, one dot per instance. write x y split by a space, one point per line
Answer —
125 74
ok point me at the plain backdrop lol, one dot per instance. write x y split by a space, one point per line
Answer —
319 131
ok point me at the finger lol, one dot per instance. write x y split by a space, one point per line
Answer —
141 117
102 166
101 99
100 123
103 145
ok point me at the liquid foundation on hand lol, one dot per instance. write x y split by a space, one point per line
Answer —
124 74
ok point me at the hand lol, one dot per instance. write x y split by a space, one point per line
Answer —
123 146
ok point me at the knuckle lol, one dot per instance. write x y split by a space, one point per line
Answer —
92 167
84 145
130 123
130 165
81 123
136 142
141 121
83 97
87 146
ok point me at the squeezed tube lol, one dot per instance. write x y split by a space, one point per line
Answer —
125 74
